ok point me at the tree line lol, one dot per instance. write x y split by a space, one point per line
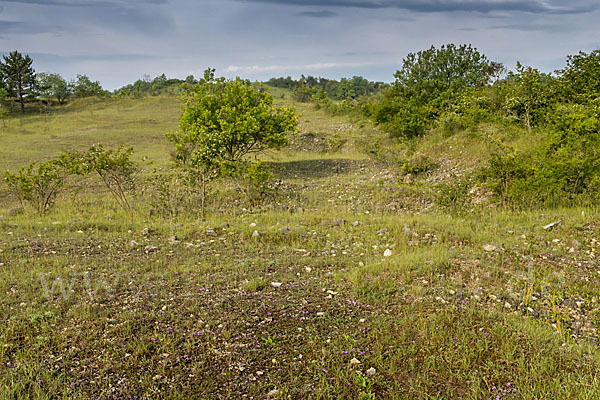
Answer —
306 87
21 84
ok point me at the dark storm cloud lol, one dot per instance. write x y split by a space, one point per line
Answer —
316 14
431 6
112 15
84 3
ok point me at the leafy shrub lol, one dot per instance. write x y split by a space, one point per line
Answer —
451 123
417 165
222 122
172 194
304 94
426 85
257 179
580 79
564 170
116 169
454 196
335 142
39 184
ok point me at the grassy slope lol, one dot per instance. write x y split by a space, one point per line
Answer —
440 318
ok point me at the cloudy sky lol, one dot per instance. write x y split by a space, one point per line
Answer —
119 41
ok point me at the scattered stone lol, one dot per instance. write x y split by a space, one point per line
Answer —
210 232
387 253
276 284
371 371
173 240
381 231
255 234
133 244
150 249
273 392
307 269
507 305
145 232
489 247
338 221
552 225
252 225
356 223
354 361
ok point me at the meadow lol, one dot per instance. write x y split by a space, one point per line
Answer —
356 278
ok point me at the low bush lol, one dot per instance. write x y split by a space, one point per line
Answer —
39 184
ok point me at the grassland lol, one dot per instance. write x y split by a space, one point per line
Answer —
470 302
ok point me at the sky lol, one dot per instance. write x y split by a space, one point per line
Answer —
119 41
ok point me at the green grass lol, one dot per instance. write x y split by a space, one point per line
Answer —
96 302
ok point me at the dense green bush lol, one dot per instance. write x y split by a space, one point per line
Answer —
428 83
39 184
563 170
417 165
304 94
580 79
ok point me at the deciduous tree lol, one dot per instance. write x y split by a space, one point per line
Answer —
225 120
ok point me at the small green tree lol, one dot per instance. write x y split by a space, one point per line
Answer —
222 122
304 93
83 86
53 86
581 77
428 82
19 75
527 92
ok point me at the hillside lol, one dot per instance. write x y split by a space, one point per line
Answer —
376 269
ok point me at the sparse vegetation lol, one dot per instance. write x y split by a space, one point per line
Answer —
456 263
